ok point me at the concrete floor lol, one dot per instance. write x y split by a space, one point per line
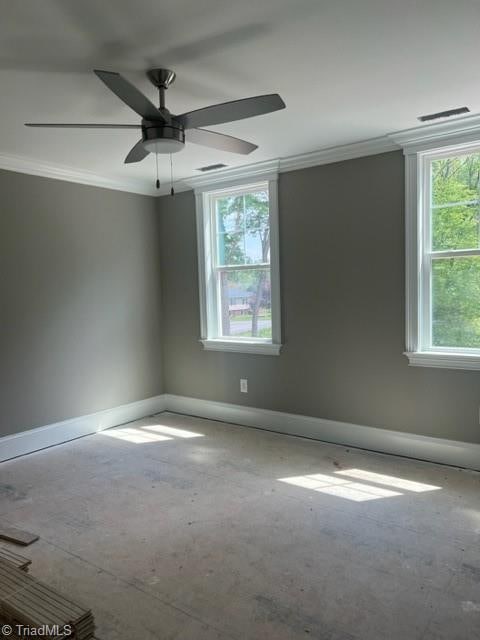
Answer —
198 538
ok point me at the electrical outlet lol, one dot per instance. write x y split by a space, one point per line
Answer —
243 385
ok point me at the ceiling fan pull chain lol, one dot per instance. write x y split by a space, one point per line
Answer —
156 164
172 190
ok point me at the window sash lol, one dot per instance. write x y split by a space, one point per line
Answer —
243 267
463 203
218 273
235 192
454 253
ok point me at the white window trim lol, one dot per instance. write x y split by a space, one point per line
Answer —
420 145
208 332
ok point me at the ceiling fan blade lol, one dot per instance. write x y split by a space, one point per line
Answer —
136 153
83 126
220 141
129 94
230 111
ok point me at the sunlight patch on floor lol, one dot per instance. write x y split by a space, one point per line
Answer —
171 431
391 481
345 487
148 433
340 487
132 434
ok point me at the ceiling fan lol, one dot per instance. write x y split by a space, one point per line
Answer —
163 132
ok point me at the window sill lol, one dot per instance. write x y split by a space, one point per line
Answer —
260 348
443 360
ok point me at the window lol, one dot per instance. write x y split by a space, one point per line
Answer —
238 265
443 254
452 253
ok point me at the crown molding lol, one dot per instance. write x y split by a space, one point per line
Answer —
338 154
441 134
21 164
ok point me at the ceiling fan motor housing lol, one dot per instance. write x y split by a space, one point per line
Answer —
163 138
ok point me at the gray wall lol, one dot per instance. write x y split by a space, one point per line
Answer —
79 300
342 269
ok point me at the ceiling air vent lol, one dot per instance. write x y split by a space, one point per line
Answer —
444 114
212 167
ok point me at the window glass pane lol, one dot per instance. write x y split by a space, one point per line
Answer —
230 248
456 302
246 309
229 214
455 179
243 229
257 247
257 227
455 227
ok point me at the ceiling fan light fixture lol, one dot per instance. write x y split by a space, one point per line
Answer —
163 145
164 139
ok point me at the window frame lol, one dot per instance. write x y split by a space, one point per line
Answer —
419 257
210 335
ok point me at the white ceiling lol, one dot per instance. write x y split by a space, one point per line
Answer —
348 70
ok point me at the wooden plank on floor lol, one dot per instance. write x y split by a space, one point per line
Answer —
34 604
17 536
15 558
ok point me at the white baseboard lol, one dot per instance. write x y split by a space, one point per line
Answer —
24 442
439 450
451 452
